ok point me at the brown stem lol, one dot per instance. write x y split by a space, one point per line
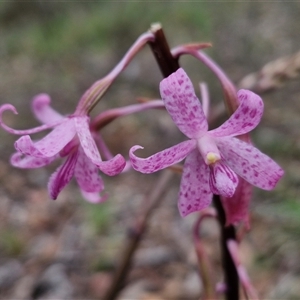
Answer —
161 50
230 272
136 233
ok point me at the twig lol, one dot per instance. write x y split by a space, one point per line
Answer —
136 233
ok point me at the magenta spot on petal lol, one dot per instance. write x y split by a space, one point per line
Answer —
245 110
253 113
167 92
189 207
180 81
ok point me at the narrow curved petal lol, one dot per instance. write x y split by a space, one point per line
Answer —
10 107
113 166
62 176
251 164
237 207
222 180
23 161
183 105
162 159
245 118
51 144
86 140
195 193
43 111
87 174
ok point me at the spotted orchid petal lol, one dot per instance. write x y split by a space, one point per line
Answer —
245 118
111 167
87 174
248 162
237 207
62 176
222 180
86 140
51 144
88 179
195 193
43 111
184 107
23 161
10 107
162 159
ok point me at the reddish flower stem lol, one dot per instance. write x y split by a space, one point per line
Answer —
162 53
227 234
164 59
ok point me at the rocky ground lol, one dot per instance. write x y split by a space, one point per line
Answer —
68 249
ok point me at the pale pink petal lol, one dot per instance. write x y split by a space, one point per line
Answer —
183 105
43 111
222 180
10 107
113 166
94 197
88 179
62 176
86 140
162 159
51 144
248 162
245 118
87 174
205 98
23 161
195 193
237 207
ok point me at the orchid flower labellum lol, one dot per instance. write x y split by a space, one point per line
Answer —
213 158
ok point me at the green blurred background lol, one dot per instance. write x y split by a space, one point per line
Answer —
61 48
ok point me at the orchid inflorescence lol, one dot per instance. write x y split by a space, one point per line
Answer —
217 161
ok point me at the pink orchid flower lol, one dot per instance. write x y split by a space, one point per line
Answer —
78 140
215 157
71 138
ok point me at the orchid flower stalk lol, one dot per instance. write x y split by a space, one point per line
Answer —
215 157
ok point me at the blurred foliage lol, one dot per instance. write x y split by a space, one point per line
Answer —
11 243
60 28
58 47
98 216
